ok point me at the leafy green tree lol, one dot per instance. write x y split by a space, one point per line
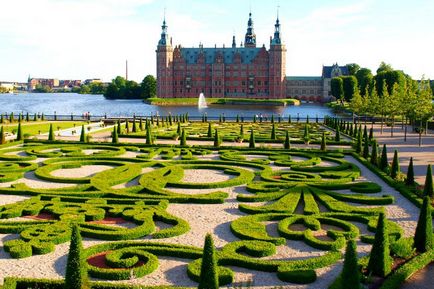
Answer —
353 68
149 87
409 181
252 139
384 67
380 262
395 170
356 103
364 79
209 268
76 267
83 134
428 189
337 88
51 136
423 238
349 85
350 273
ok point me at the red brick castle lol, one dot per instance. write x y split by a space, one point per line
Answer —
246 71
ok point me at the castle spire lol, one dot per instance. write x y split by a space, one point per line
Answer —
276 39
234 45
250 39
164 40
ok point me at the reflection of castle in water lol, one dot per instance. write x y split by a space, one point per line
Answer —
243 71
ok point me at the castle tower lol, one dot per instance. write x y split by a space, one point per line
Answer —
277 65
250 39
164 64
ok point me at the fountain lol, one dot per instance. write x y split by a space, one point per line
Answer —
201 103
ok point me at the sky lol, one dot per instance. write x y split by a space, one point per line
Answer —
80 39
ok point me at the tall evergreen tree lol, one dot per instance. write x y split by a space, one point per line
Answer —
371 133
384 162
19 132
428 189
252 139
380 262
209 268
83 134
287 143
115 138
323 142
395 170
423 238
409 181
241 132
76 267
365 147
350 273
51 136
359 144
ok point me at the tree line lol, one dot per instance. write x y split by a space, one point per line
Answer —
120 88
388 94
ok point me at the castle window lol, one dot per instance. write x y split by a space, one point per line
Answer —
259 82
243 82
266 82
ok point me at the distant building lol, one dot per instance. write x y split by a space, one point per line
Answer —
67 83
92 80
244 71
50 82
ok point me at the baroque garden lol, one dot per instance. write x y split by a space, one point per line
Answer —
282 201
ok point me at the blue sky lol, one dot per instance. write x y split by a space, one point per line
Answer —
78 39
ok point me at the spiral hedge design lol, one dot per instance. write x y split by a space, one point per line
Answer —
314 197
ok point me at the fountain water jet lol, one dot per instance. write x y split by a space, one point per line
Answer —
201 103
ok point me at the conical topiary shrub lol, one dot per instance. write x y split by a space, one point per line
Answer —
2 136
183 141
380 262
141 124
115 138
394 171
287 143
273 132
134 125
384 162
374 153
323 142
149 137
119 128
19 132
338 135
359 144
217 140
371 133
209 269
209 134
409 180
306 134
241 132
51 136
252 140
127 126
350 273
365 147
83 134
423 238
428 189
76 267
178 129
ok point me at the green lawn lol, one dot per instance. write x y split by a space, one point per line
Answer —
33 128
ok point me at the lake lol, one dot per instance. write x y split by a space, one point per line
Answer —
97 105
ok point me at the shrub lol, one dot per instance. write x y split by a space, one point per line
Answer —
403 248
76 268
359 144
379 261
273 131
51 133
19 133
428 189
149 138
371 134
252 139
183 141
394 171
115 138
119 129
366 147
83 134
409 181
350 272
374 153
384 163
241 132
423 238
297 276
217 140
209 134
2 136
287 143
337 135
208 273
323 142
